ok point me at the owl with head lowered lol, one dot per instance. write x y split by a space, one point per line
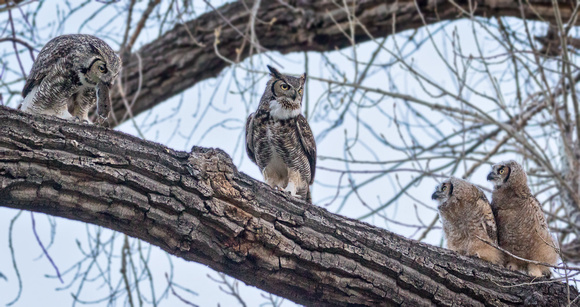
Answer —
467 219
72 73
522 227
279 139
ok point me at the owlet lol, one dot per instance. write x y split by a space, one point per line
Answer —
467 219
522 227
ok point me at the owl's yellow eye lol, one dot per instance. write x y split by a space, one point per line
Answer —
284 86
102 68
300 91
444 188
501 171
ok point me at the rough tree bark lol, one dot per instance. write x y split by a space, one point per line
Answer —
175 62
197 206
10 2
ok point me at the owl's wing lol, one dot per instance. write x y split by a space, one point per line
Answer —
538 213
250 137
36 75
308 143
544 231
488 217
46 64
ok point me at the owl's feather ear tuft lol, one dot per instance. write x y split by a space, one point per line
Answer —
274 72
303 79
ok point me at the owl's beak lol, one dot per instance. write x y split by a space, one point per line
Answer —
491 176
435 195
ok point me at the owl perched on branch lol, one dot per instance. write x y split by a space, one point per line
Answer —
467 219
279 139
522 227
74 70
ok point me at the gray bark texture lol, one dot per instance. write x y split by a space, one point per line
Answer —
175 62
197 206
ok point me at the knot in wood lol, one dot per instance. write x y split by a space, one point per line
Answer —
214 168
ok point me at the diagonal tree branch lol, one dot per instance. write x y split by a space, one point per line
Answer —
197 206
175 62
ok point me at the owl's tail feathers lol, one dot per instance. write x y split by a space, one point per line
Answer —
308 196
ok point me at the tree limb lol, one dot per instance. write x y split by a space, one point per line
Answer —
197 206
175 62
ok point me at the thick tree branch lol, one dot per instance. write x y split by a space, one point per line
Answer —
10 2
175 61
197 206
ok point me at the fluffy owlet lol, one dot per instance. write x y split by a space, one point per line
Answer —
74 70
279 139
522 227
467 216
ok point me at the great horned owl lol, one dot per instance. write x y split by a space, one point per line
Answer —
466 216
522 227
279 139
76 70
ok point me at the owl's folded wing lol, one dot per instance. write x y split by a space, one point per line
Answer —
308 143
37 73
250 137
488 218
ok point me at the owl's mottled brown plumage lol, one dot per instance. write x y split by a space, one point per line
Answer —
279 139
466 217
75 71
522 227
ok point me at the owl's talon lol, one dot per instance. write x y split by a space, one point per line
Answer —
547 274
77 119
511 266
291 189
293 194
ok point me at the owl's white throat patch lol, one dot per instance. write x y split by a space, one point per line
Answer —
277 111
441 200
84 81
498 184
